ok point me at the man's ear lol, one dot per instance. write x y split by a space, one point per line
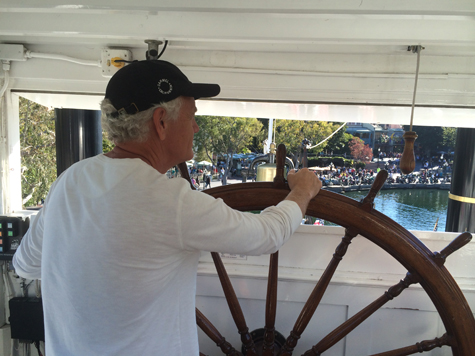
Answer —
159 123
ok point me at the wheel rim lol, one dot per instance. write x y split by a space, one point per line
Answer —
384 232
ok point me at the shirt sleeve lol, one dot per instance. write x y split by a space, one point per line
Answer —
27 258
208 224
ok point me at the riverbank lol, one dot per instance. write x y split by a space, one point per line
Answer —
352 188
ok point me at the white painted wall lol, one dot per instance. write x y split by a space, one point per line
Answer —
365 273
10 161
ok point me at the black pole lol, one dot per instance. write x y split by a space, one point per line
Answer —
461 207
78 136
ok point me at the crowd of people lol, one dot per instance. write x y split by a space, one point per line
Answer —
428 170
389 155
346 176
436 169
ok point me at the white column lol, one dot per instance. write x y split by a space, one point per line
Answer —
10 159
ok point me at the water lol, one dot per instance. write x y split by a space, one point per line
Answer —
414 209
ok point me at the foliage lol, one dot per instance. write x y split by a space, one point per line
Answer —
38 151
293 132
107 145
384 138
360 151
338 143
360 164
224 135
348 162
338 161
433 139
256 145
449 135
429 138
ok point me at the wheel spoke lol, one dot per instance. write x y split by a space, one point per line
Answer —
367 202
279 180
423 346
213 333
234 306
459 242
317 294
271 306
345 328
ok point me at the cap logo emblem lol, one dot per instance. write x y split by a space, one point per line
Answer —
164 86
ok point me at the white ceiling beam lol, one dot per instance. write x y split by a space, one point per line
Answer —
235 27
439 90
291 111
306 52
302 6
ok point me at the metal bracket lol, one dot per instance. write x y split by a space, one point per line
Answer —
152 52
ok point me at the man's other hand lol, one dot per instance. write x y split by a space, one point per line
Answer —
304 185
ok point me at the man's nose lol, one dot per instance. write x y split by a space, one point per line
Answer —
196 128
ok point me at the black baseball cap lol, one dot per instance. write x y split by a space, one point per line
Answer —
141 84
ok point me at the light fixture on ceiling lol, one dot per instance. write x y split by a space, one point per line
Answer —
152 52
408 160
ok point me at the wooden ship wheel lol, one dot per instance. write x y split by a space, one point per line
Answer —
358 218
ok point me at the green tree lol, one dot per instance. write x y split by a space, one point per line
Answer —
38 151
256 145
338 143
107 145
225 135
433 139
429 138
293 132
449 135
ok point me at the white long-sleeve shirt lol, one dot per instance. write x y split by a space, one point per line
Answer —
117 245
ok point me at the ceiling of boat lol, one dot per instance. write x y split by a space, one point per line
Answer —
321 60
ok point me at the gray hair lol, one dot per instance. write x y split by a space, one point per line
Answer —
126 127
